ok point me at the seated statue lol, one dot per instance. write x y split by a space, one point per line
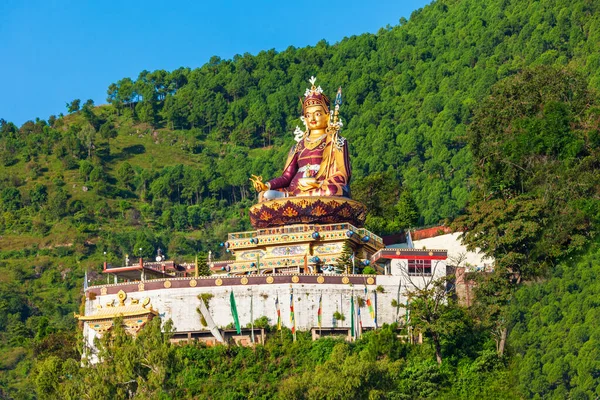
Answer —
318 164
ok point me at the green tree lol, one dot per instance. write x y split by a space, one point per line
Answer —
38 195
88 113
344 262
378 191
493 292
97 175
85 168
107 131
369 270
87 136
555 331
179 247
137 367
125 175
11 198
73 106
407 211
203 267
434 312
143 246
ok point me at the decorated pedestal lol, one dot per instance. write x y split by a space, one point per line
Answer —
307 210
301 248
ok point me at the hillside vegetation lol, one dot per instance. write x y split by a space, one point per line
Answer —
432 113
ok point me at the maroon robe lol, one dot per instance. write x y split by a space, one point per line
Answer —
334 177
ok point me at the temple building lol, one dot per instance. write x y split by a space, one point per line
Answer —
301 267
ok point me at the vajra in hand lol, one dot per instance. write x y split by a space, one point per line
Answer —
258 184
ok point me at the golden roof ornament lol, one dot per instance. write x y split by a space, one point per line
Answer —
134 314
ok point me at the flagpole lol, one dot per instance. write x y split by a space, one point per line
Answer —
341 305
358 319
352 328
279 319
292 314
375 312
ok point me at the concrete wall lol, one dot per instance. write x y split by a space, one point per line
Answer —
180 304
456 250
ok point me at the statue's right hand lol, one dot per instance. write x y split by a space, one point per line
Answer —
258 184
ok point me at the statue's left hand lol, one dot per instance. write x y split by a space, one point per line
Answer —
258 184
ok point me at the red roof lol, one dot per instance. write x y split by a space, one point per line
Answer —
427 233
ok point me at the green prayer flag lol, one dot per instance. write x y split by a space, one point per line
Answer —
234 313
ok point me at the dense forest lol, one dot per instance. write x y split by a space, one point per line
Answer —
480 114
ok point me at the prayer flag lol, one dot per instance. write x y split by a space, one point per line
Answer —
371 309
252 315
320 310
210 323
370 305
278 313
359 327
234 313
292 316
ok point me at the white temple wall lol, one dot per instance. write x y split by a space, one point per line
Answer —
457 252
180 304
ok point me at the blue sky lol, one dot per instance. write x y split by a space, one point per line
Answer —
54 51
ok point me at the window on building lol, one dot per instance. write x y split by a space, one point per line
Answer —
419 267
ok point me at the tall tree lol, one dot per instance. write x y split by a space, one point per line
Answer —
536 182
535 148
432 309
344 262
73 106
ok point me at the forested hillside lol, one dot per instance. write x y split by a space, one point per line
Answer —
166 162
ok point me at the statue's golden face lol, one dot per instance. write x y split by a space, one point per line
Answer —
316 117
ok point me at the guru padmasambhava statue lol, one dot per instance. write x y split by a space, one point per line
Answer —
318 164
315 185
